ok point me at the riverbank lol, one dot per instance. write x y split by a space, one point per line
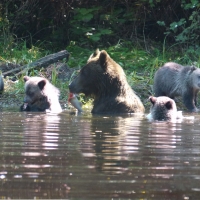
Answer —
12 97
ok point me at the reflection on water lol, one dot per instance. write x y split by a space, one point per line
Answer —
66 156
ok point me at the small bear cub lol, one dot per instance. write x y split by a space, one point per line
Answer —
40 96
163 109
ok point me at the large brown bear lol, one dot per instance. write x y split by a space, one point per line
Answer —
40 95
163 109
174 80
105 80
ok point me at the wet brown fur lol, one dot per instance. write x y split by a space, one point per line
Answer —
105 80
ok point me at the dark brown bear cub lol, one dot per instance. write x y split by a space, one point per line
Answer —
40 95
105 80
174 80
163 109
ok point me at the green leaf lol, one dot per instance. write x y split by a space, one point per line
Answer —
94 38
161 23
87 17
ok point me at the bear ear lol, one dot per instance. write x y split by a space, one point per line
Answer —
193 68
41 84
103 59
168 105
96 53
26 78
152 99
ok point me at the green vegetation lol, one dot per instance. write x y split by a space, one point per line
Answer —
139 66
139 35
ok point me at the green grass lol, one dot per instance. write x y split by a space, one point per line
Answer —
139 65
20 54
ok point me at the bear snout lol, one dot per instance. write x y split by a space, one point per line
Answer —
27 100
71 88
75 87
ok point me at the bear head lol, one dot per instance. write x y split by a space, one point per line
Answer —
163 108
100 76
195 78
36 92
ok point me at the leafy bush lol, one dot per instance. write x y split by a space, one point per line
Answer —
186 30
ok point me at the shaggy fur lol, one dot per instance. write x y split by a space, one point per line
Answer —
40 95
173 80
163 109
104 80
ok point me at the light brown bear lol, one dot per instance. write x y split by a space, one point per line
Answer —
174 80
163 109
40 95
105 80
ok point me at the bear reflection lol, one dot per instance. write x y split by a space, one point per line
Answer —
41 130
31 156
114 140
42 153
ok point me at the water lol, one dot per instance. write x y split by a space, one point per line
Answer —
70 156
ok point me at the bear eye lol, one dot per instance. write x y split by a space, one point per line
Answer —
168 105
31 94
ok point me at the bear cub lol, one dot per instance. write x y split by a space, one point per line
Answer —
163 109
40 96
105 80
174 80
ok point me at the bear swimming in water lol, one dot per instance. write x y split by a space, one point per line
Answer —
105 80
174 80
163 109
40 96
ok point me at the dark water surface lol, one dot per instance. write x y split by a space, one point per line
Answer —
44 156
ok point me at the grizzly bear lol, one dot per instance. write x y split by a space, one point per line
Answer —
163 109
174 80
40 95
105 80
1 83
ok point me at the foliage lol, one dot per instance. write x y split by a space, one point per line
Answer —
135 61
21 54
185 30
78 55
139 35
80 27
98 23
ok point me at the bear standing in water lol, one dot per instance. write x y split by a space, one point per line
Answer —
173 80
105 80
163 109
40 96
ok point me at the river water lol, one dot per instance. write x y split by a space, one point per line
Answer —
70 156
